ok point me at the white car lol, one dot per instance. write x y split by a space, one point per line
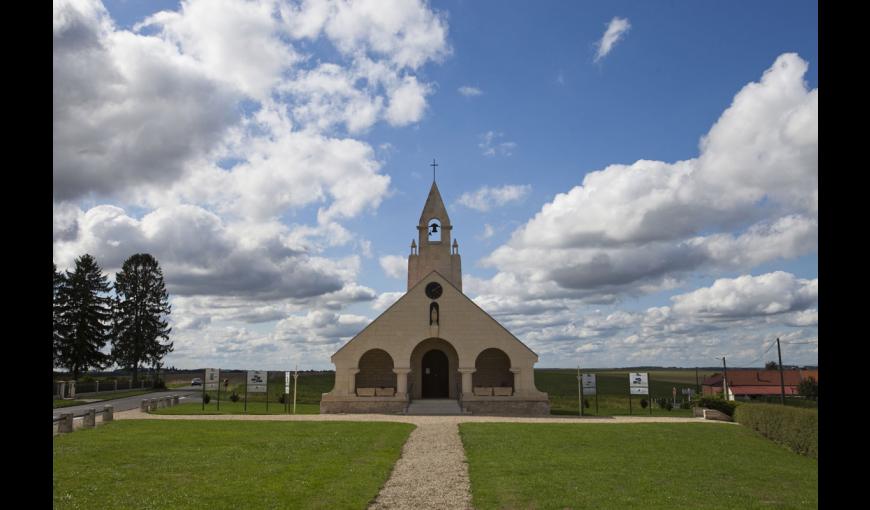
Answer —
196 382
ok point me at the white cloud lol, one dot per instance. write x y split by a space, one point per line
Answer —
490 149
395 266
487 198
745 296
469 91
615 30
488 231
750 197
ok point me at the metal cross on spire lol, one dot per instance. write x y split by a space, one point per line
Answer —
433 165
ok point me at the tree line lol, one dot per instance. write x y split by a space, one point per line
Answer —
88 313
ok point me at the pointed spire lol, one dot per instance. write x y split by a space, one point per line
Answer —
434 207
455 247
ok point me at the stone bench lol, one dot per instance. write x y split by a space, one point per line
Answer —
493 391
375 392
482 391
503 391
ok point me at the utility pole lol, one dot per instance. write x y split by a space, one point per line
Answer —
725 379
697 386
781 379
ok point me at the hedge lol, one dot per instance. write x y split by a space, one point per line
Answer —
719 404
794 427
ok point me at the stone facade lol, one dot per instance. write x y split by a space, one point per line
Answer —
395 350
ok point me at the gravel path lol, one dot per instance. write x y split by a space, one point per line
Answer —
431 473
135 414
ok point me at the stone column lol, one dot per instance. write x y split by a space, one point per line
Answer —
175 400
467 389
351 381
152 404
90 419
520 386
108 413
98 387
402 381
62 389
65 424
143 406
72 389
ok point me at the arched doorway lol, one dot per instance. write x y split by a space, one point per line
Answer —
443 378
436 375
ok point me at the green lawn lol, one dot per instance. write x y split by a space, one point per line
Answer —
219 464
644 465
58 404
239 408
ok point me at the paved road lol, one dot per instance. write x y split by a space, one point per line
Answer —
187 394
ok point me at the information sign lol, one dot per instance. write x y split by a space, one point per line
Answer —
256 381
636 379
639 390
287 383
212 378
589 384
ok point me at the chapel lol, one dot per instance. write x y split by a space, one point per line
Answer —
434 351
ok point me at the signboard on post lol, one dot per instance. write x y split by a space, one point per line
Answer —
589 384
212 378
286 383
638 383
256 381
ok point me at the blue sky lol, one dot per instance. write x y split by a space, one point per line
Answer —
274 259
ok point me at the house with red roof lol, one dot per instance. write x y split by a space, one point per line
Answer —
757 383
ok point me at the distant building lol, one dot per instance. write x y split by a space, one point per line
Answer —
757 383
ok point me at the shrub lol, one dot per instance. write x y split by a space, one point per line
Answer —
793 427
282 399
719 404
206 398
586 403
159 384
234 397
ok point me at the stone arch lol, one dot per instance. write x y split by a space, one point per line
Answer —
434 237
416 376
492 368
375 370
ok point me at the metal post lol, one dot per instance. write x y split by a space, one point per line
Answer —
724 379
697 386
246 392
204 382
629 400
219 392
781 379
579 389
295 376
267 392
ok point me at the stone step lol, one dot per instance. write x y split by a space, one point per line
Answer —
434 406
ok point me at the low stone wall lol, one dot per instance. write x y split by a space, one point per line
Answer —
364 405
504 407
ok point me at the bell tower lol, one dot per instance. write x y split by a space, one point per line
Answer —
433 242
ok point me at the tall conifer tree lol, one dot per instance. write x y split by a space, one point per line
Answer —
140 305
58 329
83 317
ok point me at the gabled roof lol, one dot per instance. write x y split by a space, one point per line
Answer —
405 295
762 377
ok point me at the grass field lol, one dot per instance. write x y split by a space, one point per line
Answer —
648 465
58 404
561 385
214 464
239 408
